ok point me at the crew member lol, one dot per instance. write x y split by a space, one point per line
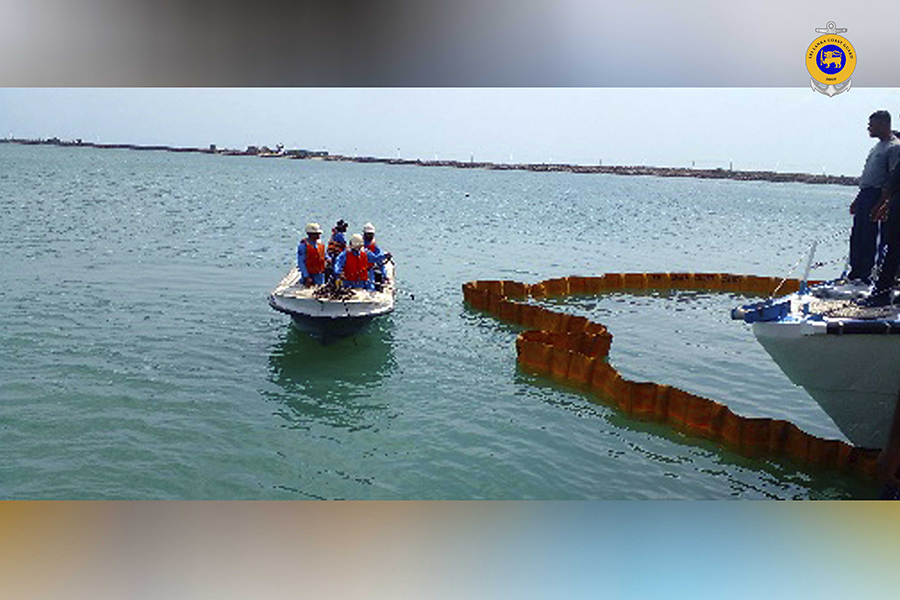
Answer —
371 246
311 256
864 237
353 266
336 245
369 238
338 241
888 212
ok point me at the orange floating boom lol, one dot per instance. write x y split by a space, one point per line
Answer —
575 350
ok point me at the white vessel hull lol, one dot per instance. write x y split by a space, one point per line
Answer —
327 316
847 358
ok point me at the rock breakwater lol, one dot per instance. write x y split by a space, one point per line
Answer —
280 152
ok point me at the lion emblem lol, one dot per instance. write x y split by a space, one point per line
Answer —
833 58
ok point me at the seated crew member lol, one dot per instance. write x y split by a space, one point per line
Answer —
371 246
338 241
369 238
353 266
311 256
336 245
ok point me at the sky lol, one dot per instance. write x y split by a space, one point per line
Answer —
780 129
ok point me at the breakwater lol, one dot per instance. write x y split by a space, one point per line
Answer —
615 170
280 152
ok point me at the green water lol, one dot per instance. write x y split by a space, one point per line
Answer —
139 358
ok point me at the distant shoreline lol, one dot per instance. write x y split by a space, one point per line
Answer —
279 152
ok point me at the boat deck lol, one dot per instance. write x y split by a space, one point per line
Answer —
848 309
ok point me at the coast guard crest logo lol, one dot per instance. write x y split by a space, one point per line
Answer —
830 60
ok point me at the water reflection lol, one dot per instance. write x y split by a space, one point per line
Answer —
338 384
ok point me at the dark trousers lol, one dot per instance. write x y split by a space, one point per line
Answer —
864 235
890 231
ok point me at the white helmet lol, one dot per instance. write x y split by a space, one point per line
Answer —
368 228
313 228
356 241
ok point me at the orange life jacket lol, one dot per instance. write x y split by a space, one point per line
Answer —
315 257
371 247
356 266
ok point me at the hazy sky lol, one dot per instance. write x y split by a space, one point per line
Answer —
785 129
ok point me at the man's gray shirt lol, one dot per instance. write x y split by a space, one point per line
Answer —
883 157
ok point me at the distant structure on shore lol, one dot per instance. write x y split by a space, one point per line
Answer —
263 151
280 152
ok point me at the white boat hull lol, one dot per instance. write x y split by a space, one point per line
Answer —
328 316
846 356
855 378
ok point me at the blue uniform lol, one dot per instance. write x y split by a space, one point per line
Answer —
373 248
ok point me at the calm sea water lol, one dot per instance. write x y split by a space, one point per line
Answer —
139 358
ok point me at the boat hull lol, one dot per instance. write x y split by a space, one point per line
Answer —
325 317
324 327
855 378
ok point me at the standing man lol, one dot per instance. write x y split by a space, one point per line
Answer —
888 209
311 256
883 157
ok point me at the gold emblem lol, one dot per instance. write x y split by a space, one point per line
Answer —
830 60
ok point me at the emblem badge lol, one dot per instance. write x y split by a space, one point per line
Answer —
830 60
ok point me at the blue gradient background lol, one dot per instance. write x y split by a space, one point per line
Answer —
399 551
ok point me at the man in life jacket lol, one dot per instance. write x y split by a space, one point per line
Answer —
311 256
336 245
338 242
371 246
353 266
369 238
